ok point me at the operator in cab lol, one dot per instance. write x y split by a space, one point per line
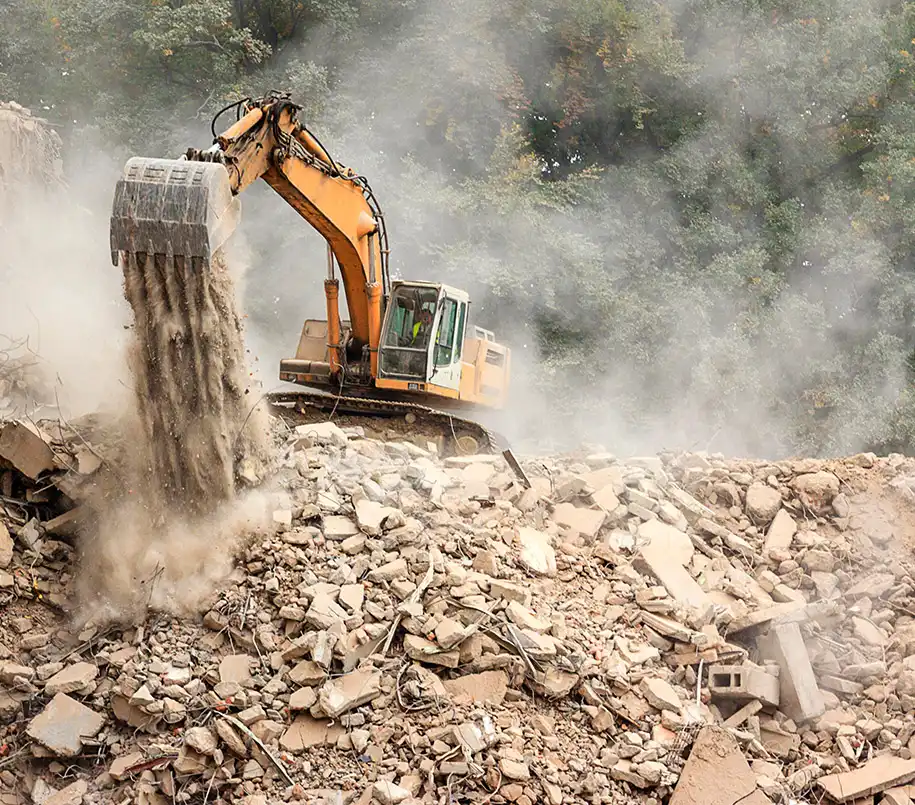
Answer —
421 329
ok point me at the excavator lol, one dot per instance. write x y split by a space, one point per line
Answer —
407 349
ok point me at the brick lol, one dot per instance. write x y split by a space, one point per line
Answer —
801 699
743 683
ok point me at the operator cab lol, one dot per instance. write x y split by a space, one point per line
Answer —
423 336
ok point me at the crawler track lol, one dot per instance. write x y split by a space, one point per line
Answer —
461 436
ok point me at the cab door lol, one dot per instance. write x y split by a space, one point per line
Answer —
445 360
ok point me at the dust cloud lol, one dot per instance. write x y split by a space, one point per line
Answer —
195 427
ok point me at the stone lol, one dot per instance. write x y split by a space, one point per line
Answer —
816 491
201 740
536 554
63 724
660 695
324 612
120 765
326 433
884 771
307 672
235 668
510 592
6 547
303 699
351 597
422 650
449 633
870 634
523 617
781 532
390 571
231 738
514 769
763 503
370 515
387 793
11 671
488 687
72 678
339 695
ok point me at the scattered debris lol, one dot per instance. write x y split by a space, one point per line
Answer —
676 629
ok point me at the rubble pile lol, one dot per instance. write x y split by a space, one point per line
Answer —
673 629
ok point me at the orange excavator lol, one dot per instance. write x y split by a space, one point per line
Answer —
407 349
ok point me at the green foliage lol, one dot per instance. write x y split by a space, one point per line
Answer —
700 215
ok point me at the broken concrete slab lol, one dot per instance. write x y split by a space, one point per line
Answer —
306 732
337 527
339 695
800 697
879 774
716 772
487 687
63 724
72 678
586 522
22 446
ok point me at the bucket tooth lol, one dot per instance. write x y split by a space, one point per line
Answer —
172 207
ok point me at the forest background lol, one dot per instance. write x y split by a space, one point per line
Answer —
693 221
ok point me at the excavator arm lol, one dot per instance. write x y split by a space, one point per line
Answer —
189 207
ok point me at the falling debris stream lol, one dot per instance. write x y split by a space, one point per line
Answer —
187 359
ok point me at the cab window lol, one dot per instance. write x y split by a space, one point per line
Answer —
444 342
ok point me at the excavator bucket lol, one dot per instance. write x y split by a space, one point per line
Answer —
172 207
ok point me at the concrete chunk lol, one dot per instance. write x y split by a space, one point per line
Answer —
763 503
692 509
585 521
781 532
235 668
72 678
22 446
63 724
800 697
536 554
349 691
879 774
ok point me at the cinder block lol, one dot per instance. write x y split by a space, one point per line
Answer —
743 683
